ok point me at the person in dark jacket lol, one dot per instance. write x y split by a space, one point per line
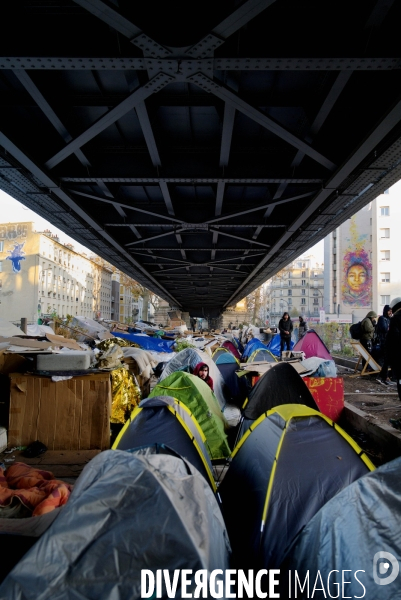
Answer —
303 327
393 345
285 327
381 334
368 330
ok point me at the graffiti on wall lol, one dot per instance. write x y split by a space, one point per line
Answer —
16 255
357 270
11 231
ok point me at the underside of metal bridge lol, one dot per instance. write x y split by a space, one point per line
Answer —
199 146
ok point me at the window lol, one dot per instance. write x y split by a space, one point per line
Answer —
385 233
384 300
384 254
384 211
315 309
1 246
385 277
303 274
290 292
289 301
303 301
315 300
303 292
289 283
303 282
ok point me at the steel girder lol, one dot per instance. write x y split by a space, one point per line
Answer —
158 154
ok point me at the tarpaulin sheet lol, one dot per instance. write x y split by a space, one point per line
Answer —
348 533
128 512
146 342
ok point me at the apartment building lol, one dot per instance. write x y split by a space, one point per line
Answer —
297 289
362 272
40 275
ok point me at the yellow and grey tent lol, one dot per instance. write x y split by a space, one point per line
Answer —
223 356
203 404
288 464
165 420
261 354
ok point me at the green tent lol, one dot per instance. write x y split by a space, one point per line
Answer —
199 398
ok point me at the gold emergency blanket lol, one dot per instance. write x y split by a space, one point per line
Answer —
125 395
106 344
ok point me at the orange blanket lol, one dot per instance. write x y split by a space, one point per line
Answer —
36 490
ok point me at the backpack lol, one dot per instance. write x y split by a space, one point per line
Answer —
355 331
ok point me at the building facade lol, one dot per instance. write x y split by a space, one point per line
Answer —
297 289
361 267
40 276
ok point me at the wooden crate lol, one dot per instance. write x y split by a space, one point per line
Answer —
64 415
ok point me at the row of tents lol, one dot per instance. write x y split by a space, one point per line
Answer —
157 502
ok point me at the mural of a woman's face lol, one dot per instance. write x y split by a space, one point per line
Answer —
356 278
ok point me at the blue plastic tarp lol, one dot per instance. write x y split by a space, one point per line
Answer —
146 342
274 345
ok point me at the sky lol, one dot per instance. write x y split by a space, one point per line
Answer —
12 211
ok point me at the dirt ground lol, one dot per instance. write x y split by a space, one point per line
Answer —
378 401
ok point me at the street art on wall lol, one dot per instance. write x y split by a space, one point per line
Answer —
13 230
357 270
16 255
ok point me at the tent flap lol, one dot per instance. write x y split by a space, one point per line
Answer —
127 512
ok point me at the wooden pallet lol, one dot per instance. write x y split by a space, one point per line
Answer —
62 463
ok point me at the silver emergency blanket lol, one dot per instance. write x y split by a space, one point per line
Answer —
187 359
127 512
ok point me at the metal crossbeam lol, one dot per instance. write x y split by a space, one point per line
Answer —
192 180
391 120
171 66
50 184
139 95
261 207
253 113
47 110
129 206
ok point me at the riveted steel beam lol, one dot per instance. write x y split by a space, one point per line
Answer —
139 95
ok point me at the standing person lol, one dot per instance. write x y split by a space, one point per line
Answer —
368 330
193 324
382 327
202 371
393 345
285 327
303 327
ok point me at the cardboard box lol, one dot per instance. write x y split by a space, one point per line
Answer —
10 363
64 415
